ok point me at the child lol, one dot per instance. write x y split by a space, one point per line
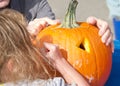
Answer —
18 58
22 63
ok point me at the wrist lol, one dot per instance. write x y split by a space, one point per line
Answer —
59 63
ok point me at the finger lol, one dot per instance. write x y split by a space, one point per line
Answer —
34 27
40 23
50 46
105 36
52 50
109 40
112 45
31 27
43 51
103 26
50 21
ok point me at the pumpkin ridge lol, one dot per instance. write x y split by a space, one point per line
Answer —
96 62
93 47
88 35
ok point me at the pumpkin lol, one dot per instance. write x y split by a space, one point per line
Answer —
81 45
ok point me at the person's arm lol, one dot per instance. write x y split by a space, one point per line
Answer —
35 26
44 10
69 73
61 64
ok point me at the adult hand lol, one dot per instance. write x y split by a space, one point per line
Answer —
35 26
104 30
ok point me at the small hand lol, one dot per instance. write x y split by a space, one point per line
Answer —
104 30
51 52
35 26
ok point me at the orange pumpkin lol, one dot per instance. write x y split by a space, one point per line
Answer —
81 45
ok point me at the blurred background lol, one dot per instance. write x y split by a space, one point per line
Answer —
85 9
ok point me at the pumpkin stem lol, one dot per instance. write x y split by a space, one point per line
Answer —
70 17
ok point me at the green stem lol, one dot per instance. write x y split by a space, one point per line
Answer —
70 17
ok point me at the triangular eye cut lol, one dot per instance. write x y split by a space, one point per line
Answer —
82 46
85 45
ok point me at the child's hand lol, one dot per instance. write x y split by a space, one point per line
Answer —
51 52
104 30
35 26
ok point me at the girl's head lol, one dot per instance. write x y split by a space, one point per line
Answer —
19 59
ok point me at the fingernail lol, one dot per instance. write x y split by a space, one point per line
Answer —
100 33
103 40
107 44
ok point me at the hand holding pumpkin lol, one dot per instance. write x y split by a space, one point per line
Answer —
35 26
104 29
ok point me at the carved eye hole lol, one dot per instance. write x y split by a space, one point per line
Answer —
85 45
82 46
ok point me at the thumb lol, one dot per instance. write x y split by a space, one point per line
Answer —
50 46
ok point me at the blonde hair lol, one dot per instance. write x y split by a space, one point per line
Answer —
15 45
